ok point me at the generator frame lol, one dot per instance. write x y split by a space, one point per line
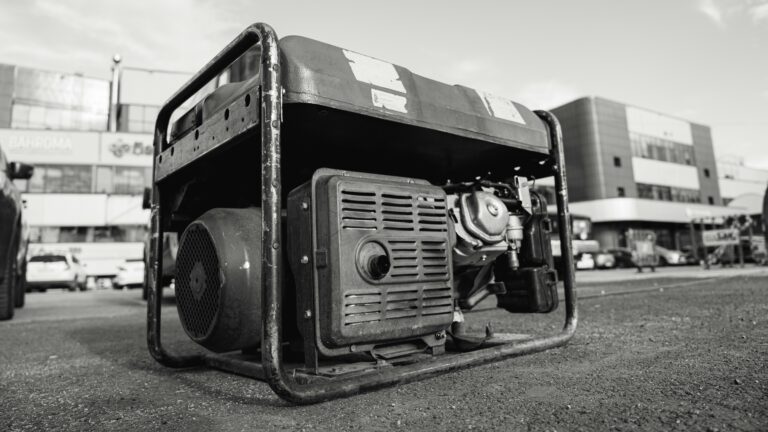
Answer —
272 368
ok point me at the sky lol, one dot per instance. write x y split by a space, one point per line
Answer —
705 61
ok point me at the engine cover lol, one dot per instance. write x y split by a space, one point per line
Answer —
218 279
378 250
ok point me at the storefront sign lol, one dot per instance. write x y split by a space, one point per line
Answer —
126 149
720 237
50 147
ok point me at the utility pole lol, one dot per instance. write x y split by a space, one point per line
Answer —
114 92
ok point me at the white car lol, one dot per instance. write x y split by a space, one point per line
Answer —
585 262
129 274
55 271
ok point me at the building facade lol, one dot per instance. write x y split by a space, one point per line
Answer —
86 193
630 167
737 180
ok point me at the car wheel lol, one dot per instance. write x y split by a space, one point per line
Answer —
21 289
7 284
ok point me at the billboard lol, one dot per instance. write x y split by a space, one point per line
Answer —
720 237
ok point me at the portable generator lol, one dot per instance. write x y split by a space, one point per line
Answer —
338 214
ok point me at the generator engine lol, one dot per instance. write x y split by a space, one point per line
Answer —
381 265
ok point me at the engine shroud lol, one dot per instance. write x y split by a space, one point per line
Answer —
373 259
218 279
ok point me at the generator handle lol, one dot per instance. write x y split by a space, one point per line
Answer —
259 33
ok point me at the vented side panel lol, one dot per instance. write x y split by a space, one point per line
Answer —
410 221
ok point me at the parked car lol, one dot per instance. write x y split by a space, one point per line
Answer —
671 256
585 261
13 236
55 271
130 274
622 257
604 260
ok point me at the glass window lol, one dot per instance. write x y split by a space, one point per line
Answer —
37 182
617 162
68 179
104 176
129 180
49 234
620 191
72 234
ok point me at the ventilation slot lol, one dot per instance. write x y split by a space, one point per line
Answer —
361 308
358 210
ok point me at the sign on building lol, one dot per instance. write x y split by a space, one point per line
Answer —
720 237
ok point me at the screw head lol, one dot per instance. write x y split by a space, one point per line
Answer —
493 209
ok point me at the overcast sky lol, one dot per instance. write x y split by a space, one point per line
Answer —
703 60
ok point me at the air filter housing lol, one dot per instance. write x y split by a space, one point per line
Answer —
218 279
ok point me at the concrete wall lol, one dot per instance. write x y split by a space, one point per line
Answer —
614 143
705 159
580 138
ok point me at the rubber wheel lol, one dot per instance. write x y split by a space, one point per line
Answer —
8 284
21 289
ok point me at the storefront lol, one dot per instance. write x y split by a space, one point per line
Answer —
86 193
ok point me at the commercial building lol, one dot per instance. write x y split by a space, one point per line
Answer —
86 193
737 180
630 167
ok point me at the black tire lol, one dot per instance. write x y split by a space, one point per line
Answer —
21 289
8 283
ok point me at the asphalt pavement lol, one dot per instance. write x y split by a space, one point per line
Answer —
678 350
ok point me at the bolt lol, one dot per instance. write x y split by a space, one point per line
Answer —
307 314
439 335
353 348
275 245
304 259
304 205
493 210
483 257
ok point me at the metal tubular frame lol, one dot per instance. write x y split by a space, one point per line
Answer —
271 369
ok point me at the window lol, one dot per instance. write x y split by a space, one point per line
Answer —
649 147
72 234
711 200
620 191
104 176
706 172
617 162
129 180
60 179
666 193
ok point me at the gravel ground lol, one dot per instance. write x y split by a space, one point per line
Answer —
691 357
